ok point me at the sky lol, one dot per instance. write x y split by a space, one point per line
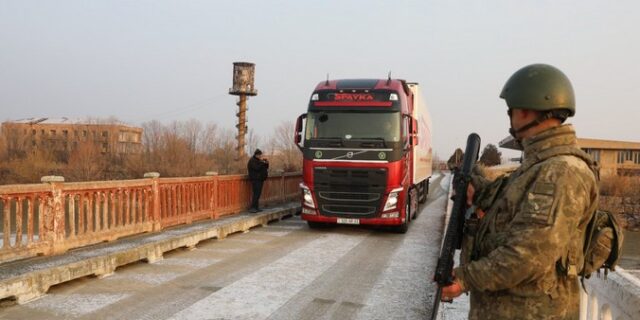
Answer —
172 60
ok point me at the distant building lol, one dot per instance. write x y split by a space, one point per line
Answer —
65 135
614 157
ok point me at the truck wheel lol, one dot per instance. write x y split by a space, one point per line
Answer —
403 228
424 191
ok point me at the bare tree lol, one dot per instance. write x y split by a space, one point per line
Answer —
253 142
177 156
224 154
32 167
191 132
285 149
490 156
86 163
3 147
209 139
152 135
15 142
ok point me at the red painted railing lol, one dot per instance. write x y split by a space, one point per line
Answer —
53 217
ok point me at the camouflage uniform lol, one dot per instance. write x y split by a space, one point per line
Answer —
528 247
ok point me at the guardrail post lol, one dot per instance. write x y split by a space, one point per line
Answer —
213 194
54 226
155 206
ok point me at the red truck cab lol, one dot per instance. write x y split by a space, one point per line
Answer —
366 147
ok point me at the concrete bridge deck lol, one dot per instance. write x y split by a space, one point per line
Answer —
281 270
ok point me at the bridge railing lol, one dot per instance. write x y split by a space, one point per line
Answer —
615 297
53 217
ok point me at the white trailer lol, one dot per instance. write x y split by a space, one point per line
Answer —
423 151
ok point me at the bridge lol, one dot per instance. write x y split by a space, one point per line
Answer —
185 248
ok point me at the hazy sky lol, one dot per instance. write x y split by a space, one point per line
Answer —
168 60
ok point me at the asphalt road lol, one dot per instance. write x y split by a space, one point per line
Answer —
282 271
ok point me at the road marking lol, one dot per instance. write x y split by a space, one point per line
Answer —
258 295
249 240
224 250
148 278
271 233
285 227
75 304
195 263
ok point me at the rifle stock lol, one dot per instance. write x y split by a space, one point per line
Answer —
453 236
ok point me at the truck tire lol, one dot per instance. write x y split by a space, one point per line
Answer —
403 228
424 191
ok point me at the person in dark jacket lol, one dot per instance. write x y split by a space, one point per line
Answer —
257 168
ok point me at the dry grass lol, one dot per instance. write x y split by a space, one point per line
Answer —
618 186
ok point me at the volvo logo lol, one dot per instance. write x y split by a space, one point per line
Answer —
350 154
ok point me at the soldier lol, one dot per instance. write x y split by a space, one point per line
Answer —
455 161
527 249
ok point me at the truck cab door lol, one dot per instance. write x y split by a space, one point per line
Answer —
409 132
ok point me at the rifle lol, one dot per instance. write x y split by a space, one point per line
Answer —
453 235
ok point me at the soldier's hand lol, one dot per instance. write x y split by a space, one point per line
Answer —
480 213
451 291
470 192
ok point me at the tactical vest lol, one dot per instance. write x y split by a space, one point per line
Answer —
603 236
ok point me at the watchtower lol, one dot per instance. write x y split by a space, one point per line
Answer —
243 77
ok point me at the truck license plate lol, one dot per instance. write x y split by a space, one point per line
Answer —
348 221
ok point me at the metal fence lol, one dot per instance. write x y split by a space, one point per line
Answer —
53 217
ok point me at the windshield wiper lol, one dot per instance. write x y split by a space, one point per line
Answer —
331 141
372 144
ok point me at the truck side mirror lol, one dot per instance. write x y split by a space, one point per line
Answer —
297 135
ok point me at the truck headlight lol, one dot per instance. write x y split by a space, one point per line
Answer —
392 199
307 197
308 211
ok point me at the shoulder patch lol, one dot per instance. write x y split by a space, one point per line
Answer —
537 205
544 188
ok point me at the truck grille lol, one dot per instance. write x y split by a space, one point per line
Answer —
349 196
347 192
348 210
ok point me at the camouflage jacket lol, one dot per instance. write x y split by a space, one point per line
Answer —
529 244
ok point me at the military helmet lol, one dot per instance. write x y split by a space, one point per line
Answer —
539 87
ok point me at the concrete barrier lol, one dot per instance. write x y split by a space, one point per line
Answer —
616 297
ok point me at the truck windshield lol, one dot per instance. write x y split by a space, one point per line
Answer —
353 125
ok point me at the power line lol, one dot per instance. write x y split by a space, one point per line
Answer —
186 109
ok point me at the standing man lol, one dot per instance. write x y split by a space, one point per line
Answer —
257 167
527 251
